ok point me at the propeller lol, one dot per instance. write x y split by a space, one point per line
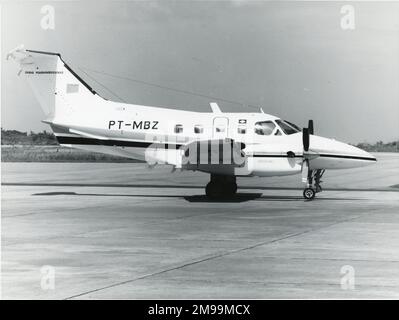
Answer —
305 139
310 126
306 132
307 155
305 135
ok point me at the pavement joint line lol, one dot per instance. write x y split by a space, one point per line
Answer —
34 213
209 258
155 222
330 259
166 270
219 255
301 284
70 209
81 235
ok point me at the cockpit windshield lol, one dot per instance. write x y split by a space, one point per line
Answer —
288 127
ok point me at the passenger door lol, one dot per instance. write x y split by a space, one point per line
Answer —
220 127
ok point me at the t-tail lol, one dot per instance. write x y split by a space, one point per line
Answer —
63 95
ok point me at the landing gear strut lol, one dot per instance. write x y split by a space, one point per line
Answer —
221 186
313 184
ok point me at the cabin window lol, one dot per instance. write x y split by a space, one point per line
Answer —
264 128
178 128
278 133
198 129
220 129
287 127
242 129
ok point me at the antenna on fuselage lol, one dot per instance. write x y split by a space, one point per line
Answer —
215 107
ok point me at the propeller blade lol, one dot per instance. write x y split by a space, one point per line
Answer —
310 126
305 138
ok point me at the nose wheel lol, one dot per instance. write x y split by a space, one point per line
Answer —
309 193
313 184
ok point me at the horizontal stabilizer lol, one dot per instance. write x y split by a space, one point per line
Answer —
88 135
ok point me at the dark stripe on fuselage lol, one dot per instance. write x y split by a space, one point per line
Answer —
347 157
257 155
113 143
321 155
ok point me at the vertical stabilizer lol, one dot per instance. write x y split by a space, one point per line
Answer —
59 90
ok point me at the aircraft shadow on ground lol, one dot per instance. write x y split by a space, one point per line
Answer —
239 197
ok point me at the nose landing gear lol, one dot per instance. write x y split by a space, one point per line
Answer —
221 186
313 184
309 193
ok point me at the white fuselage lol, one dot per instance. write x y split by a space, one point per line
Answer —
127 130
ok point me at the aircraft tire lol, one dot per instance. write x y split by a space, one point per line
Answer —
309 193
214 190
231 189
220 190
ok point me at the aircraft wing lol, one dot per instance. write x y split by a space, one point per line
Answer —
199 154
214 152
87 134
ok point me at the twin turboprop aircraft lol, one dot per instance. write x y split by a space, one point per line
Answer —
225 145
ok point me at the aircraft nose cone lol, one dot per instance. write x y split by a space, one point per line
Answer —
336 154
361 153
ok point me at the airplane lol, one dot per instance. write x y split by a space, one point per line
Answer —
224 145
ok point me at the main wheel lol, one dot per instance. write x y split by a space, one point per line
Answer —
220 190
309 193
230 189
214 190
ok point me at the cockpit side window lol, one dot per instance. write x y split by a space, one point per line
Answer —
287 127
264 128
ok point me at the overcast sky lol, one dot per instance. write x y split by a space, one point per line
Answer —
291 58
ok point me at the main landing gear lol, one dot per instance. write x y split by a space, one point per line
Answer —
221 186
313 184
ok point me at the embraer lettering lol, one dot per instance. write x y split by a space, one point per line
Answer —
141 125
